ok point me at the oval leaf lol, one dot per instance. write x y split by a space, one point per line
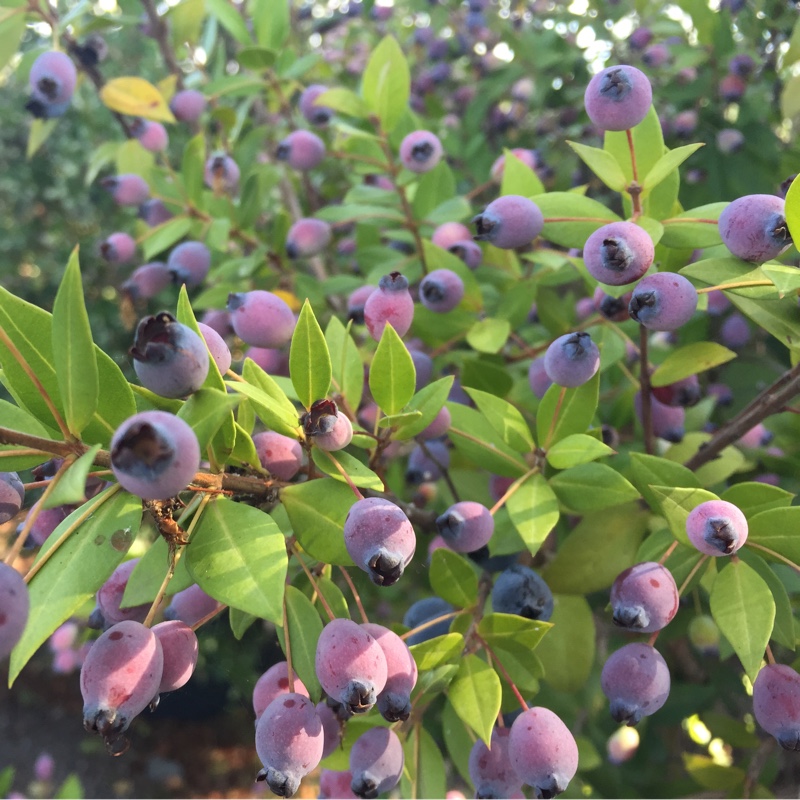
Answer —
137 98
309 359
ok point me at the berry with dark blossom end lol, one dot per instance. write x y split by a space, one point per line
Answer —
147 281
420 151
618 253
572 359
52 81
221 174
618 98
261 318
663 301
394 701
391 302
376 762
427 466
151 135
356 301
717 528
127 190
189 263
448 233
644 598
519 590
315 113
118 248
301 150
667 421
441 290
776 704
685 392
466 526
754 227
614 309
187 105
307 237
14 607
510 221
469 252
636 681
12 495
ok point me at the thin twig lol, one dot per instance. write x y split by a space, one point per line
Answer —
356 596
644 389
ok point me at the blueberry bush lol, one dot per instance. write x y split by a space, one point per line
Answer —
450 346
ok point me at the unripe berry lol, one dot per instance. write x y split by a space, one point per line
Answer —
394 701
274 682
220 351
222 174
663 301
510 221
376 762
260 318
390 302
618 253
307 237
118 248
618 98
636 681
147 281
189 263
12 496
776 704
280 455
315 114
14 607
187 105
191 605
519 590
754 227
154 455
644 597
716 528
572 359
127 190
180 649
420 151
301 150
466 526
704 634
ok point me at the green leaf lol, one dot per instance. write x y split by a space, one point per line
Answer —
272 23
533 509
676 504
71 487
567 652
695 228
776 530
305 627
435 186
458 739
343 101
102 531
501 629
569 218
729 461
557 418
192 167
680 562
731 270
40 132
505 419
428 401
238 556
309 359
386 86
475 694
598 549
744 609
424 772
440 650
792 205
73 350
317 511
713 776
205 411
256 376
518 177
589 487
669 162
690 360
392 375
489 335
603 164
752 497
360 474
334 597
71 789
149 573
12 28
256 58
347 368
786 279
272 412
651 471
579 448
240 621
230 19
15 419
163 236
453 578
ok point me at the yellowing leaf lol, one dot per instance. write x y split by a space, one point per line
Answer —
288 298
136 97
167 86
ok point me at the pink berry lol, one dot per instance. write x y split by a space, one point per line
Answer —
180 649
716 528
280 455
509 222
307 237
188 105
14 608
261 318
118 248
301 150
420 151
618 98
390 302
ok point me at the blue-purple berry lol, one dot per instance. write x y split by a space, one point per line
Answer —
420 151
663 301
618 253
509 222
618 98
466 526
189 263
441 290
572 359
754 227
519 590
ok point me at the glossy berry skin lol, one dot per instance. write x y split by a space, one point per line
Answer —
187 105
390 303
469 252
52 81
307 237
394 702
221 174
289 740
335 785
331 728
572 359
356 301
274 682
280 455
301 150
448 233
490 770
776 704
109 597
441 290
189 263
644 598
191 605
618 98
420 151
466 526
538 379
423 611
315 114
510 221
127 190
152 136
118 248
380 539
14 607
350 665
376 762
147 281
220 351
636 681
169 358
618 253
685 393
519 590
663 301
422 467
180 649
261 319
668 421
716 528
12 496
542 751
338 437
120 677
754 227
154 455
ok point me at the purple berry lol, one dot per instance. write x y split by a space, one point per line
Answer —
261 319
189 263
423 467
220 351
152 136
469 252
14 607
612 308
120 677
466 526
754 227
490 770
289 741
307 237
663 301
423 611
219 320
356 301
732 88
335 785
47 521
154 212
528 157
685 392
742 65
757 436
127 190
331 728
449 233
441 290
222 174
776 704
147 281
542 751
718 302
656 55
191 605
154 455
12 496
274 682
423 365
188 105
394 701
420 151
376 762
280 455
572 359
538 378
391 302
314 113
350 665
52 80
729 140
636 681
109 598
618 98
644 598
380 539
439 426
640 38
618 253
519 590
118 248
668 421
180 649
338 436
510 221
716 528
301 150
